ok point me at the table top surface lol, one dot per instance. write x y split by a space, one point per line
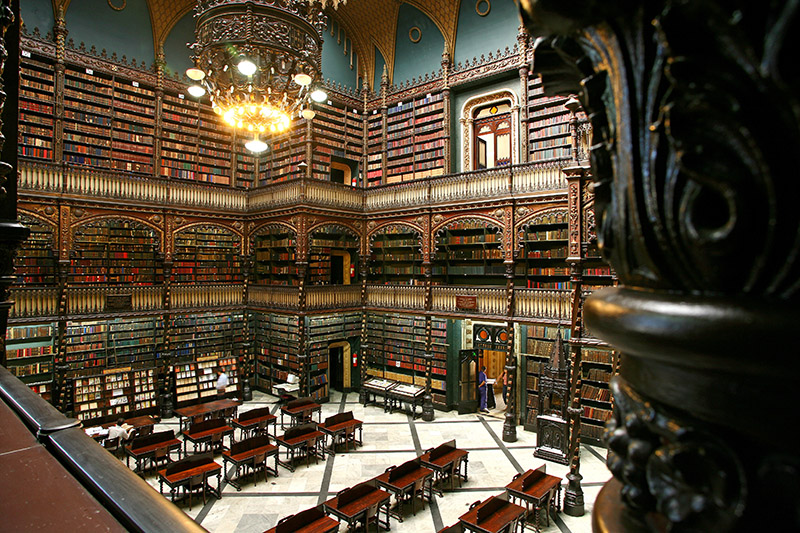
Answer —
539 489
443 460
206 408
211 467
135 422
320 525
357 506
406 480
497 521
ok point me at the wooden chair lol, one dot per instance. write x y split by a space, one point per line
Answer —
161 456
259 462
196 484
216 444
112 446
349 436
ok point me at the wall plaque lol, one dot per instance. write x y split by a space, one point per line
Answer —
119 302
466 302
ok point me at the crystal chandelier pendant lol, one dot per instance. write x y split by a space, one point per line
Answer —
260 61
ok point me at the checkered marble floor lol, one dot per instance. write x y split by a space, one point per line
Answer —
391 439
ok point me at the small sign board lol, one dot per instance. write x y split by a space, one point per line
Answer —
119 302
467 302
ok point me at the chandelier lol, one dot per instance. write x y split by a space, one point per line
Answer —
260 61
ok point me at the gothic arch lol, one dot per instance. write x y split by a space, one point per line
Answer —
466 119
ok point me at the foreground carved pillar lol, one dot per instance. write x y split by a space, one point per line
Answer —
695 109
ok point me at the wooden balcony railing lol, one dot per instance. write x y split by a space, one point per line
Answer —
333 297
480 185
202 296
273 297
490 301
92 300
29 302
396 296
543 303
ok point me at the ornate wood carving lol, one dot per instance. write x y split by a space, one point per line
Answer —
695 207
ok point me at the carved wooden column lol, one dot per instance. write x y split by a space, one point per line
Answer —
384 122
523 44
60 33
302 276
158 123
309 170
510 422
446 140
165 373
362 362
427 401
246 356
364 138
694 113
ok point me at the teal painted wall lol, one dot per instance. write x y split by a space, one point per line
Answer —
380 62
125 32
416 59
335 63
176 51
476 35
37 14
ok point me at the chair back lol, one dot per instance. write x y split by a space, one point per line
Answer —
254 413
299 430
153 438
111 444
297 521
403 469
206 425
143 431
350 495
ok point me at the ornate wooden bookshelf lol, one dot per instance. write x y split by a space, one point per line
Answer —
322 331
469 252
598 365
35 263
276 349
548 124
114 393
207 254
374 158
542 261
196 382
324 244
115 251
179 123
36 107
88 111
274 249
396 256
396 350
29 355
132 140
216 334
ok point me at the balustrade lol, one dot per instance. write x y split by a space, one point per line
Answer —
33 302
203 296
333 296
490 301
396 297
273 297
543 303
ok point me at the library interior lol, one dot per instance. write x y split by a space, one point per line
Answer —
431 266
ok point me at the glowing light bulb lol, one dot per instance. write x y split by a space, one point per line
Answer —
319 95
195 74
257 146
302 79
247 67
196 91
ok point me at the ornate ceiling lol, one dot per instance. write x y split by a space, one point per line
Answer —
369 24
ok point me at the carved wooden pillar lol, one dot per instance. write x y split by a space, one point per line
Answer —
364 139
165 368
694 113
60 33
427 401
309 170
510 422
523 43
384 122
362 362
161 63
302 275
446 139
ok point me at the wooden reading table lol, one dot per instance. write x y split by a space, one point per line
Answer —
493 516
251 452
405 481
405 393
340 425
378 387
312 520
255 422
306 439
205 410
300 411
190 473
446 460
361 502
206 432
536 488
143 448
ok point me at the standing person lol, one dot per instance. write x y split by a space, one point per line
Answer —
482 390
503 378
222 382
